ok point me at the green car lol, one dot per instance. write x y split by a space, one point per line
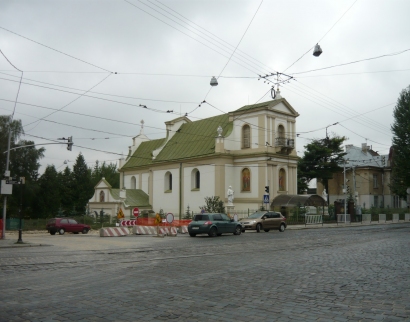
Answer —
213 225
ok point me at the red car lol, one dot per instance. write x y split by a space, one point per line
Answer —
62 225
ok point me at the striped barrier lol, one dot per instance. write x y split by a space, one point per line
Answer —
170 231
184 230
144 230
150 230
114 231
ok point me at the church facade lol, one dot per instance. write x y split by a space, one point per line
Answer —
248 149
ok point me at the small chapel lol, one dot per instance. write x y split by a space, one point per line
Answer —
250 151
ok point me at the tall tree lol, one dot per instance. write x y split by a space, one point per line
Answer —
107 171
47 203
23 162
66 188
401 144
83 188
321 160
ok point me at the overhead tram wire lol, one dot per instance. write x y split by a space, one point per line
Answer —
322 36
339 106
251 70
229 59
81 95
333 109
213 35
59 51
354 62
363 136
99 93
248 62
360 73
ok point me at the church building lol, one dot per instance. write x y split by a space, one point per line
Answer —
250 151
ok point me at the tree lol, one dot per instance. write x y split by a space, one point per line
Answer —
23 162
401 144
213 204
321 160
48 197
66 188
109 172
83 188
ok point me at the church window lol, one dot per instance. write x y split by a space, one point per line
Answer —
195 179
246 180
246 137
168 181
282 180
133 183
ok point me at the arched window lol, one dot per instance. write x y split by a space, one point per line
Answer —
246 180
282 180
246 137
168 181
281 131
195 179
133 183
102 196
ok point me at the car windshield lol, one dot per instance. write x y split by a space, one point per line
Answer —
201 217
256 215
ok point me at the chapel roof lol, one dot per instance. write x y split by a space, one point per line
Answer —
194 139
134 197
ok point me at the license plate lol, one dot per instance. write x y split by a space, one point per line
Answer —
195 227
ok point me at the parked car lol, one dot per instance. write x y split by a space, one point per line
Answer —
214 224
69 225
264 220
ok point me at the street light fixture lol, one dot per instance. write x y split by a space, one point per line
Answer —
329 126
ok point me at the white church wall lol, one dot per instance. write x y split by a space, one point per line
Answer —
196 198
144 182
164 198
234 140
128 179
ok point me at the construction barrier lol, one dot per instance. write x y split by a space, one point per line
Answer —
184 229
151 222
144 230
114 231
152 230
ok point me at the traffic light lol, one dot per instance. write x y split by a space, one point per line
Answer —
267 189
70 143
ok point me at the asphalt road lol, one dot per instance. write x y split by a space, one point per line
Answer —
359 273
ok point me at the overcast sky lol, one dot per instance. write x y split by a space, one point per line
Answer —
93 63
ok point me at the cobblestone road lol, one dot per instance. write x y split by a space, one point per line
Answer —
330 274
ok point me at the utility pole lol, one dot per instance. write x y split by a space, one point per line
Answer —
344 189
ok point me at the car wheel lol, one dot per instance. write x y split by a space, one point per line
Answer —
76 232
61 231
258 228
282 228
52 232
238 230
212 232
266 230
85 231
219 234
192 235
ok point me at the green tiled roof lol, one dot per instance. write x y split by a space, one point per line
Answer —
143 155
135 197
194 139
